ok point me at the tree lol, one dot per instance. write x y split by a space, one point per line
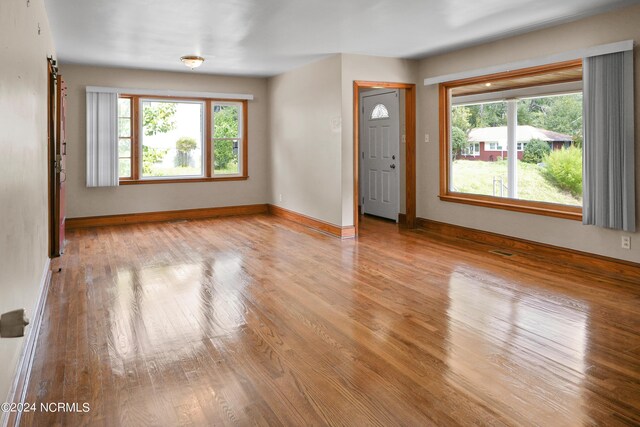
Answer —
151 156
225 125
535 151
487 115
460 118
158 117
565 115
184 146
562 114
459 141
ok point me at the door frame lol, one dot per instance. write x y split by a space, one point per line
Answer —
52 75
410 147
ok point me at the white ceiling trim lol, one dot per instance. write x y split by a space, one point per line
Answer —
170 93
561 57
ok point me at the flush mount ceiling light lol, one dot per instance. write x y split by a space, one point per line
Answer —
192 61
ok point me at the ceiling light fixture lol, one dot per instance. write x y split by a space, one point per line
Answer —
487 84
192 61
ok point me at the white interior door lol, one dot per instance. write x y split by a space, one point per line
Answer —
380 154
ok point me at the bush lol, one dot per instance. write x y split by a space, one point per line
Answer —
535 151
223 153
563 168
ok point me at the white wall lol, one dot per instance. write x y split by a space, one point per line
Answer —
367 68
606 28
23 165
305 140
83 201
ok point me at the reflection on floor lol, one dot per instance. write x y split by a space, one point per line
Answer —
256 320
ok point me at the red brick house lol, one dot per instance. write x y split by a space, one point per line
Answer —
490 144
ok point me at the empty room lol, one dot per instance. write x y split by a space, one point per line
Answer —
242 212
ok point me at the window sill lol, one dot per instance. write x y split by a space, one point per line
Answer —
181 180
525 206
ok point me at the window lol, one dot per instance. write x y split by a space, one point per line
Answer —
379 112
495 146
181 140
124 140
227 134
472 149
527 127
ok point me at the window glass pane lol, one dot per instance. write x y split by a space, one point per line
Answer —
226 155
379 112
172 135
550 164
124 167
124 107
124 127
124 147
548 149
226 123
479 149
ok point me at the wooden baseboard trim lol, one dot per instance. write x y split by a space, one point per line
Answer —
18 391
186 214
593 263
347 232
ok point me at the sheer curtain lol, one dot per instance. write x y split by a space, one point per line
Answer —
102 139
608 173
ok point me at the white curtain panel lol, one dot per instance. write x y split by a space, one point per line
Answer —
608 166
102 139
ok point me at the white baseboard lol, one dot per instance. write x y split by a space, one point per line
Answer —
18 390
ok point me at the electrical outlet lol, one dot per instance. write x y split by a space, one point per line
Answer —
280 197
426 137
626 242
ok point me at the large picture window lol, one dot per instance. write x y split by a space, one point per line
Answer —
514 140
181 140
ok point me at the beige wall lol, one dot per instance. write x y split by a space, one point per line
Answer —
23 165
368 68
305 113
83 201
606 28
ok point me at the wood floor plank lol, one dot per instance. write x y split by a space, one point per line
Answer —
255 320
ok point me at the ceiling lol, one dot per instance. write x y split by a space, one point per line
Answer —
267 37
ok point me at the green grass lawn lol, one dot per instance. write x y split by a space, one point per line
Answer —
158 170
476 177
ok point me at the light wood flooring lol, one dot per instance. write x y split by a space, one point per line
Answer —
255 320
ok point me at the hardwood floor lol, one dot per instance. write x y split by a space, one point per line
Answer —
256 320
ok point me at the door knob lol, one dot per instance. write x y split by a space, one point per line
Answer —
393 166
12 324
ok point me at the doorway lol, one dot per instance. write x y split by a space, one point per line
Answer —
380 165
366 97
56 111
